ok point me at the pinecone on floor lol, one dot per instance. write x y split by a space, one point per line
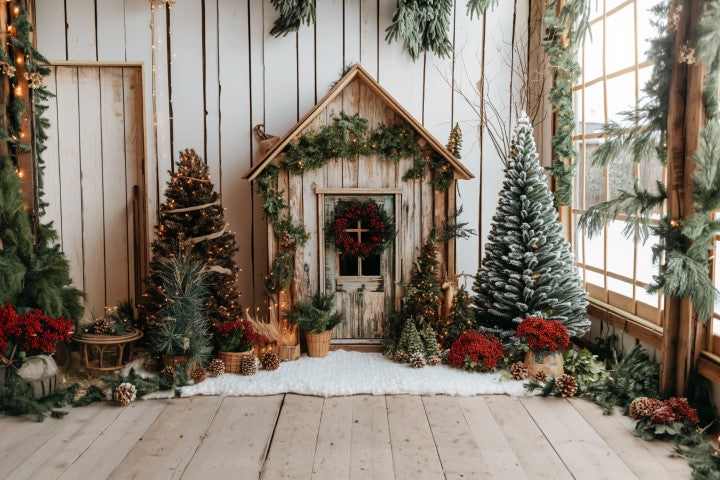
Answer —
434 360
567 385
519 371
216 367
417 360
248 365
168 374
401 356
124 394
540 376
270 361
198 374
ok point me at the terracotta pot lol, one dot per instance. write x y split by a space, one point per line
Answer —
232 360
318 344
549 362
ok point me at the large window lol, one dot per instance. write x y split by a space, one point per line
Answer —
615 270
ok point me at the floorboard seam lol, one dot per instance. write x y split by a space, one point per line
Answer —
317 437
390 436
203 436
272 437
432 434
562 460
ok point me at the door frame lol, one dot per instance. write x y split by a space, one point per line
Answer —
354 191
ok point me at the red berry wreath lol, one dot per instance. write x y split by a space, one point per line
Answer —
372 217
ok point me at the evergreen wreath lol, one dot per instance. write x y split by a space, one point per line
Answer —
372 217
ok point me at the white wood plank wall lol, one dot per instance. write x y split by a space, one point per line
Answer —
218 72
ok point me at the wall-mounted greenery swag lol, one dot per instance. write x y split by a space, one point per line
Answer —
684 245
348 137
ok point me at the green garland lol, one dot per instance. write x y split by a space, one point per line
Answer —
348 137
564 33
684 245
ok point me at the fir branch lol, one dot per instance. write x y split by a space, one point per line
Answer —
422 26
451 228
478 7
293 13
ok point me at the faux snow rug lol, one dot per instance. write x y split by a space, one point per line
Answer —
350 373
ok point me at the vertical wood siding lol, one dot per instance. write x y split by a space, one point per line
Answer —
217 73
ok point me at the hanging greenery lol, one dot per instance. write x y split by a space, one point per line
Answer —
684 245
293 13
565 27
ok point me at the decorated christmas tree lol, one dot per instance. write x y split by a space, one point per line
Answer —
423 294
461 318
528 267
192 216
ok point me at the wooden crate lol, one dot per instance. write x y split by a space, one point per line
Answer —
288 353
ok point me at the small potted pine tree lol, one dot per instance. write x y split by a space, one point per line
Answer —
235 340
546 340
316 317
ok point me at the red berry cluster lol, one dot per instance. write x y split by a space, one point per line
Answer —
371 218
237 336
543 335
483 349
33 333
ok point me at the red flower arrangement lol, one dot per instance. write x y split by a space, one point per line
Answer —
543 335
476 351
33 332
663 419
237 336
372 217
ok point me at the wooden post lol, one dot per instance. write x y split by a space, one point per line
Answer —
685 119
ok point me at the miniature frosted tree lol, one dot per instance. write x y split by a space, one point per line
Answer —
528 267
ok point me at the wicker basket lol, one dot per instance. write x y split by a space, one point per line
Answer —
173 360
318 344
549 362
232 360
106 353
288 353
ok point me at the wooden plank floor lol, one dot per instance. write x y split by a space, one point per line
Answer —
360 437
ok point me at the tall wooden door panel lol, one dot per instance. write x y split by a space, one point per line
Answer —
94 178
364 287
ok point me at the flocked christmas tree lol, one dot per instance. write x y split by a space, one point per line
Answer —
528 267
192 215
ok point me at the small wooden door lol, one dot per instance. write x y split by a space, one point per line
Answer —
364 287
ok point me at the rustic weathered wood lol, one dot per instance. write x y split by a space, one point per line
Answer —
581 449
370 452
238 439
535 454
169 444
332 451
297 428
414 453
496 451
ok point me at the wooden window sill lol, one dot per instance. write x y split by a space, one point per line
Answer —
626 322
708 365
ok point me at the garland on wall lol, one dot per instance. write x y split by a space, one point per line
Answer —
422 25
684 245
566 24
348 137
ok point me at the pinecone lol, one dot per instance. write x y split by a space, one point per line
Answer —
248 365
124 394
101 326
151 363
519 371
270 361
168 374
198 374
567 385
216 367
434 360
443 355
401 356
417 360
540 376
643 407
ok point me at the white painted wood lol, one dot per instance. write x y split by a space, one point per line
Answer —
80 18
369 36
306 62
371 452
50 28
160 103
92 183
334 441
110 30
238 439
329 34
212 90
351 31
169 444
280 78
53 190
296 430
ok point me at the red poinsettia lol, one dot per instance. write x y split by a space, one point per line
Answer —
476 351
373 220
237 336
543 335
33 332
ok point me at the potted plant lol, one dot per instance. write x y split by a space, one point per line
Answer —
546 340
181 336
107 344
27 343
235 340
316 317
